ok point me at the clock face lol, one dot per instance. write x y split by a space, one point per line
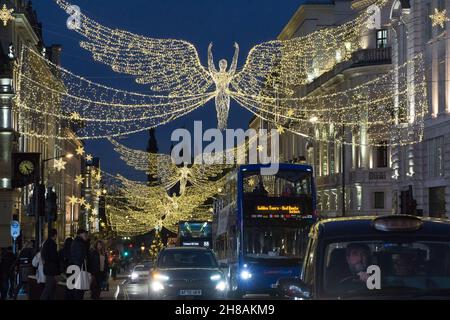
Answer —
26 167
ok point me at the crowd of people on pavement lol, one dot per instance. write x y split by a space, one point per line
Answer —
49 266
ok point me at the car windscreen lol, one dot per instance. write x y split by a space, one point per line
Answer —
187 259
390 268
139 268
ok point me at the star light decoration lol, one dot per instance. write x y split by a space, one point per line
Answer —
82 201
73 200
280 129
6 15
80 150
75 116
89 157
59 164
439 18
79 179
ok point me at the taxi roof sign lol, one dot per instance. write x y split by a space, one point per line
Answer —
393 223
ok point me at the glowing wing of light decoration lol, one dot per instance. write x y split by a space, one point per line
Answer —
167 65
168 173
276 67
138 208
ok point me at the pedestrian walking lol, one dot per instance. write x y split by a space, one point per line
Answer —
7 265
24 267
78 257
50 258
40 276
98 266
64 255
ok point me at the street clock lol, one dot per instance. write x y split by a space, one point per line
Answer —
26 167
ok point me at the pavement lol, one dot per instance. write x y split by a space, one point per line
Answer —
115 292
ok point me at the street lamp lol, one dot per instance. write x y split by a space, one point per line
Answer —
313 119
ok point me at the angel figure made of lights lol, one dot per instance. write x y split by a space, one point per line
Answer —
173 67
222 80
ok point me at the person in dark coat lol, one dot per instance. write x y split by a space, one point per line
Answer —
24 266
64 255
7 263
50 258
98 267
78 256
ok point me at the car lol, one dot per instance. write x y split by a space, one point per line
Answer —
140 272
187 273
374 257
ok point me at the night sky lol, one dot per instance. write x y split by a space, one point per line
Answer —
247 22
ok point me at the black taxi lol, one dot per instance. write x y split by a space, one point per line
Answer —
374 257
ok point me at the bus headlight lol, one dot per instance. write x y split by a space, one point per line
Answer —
245 275
134 276
221 286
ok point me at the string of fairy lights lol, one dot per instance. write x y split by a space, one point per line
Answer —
389 109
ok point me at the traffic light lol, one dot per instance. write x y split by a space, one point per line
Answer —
125 254
51 207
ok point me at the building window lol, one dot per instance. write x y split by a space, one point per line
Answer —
436 199
382 39
436 157
378 200
382 155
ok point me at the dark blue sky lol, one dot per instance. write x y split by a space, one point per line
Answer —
223 22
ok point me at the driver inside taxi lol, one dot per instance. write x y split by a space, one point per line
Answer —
357 257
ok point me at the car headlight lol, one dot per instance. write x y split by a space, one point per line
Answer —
221 286
215 277
134 275
245 275
160 277
157 286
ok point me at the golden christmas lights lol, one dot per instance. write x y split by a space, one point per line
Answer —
6 15
439 18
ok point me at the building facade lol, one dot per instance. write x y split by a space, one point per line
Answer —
24 29
414 178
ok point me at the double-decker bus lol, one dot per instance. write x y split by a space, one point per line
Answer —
195 233
261 225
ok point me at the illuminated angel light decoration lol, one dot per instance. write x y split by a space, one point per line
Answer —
163 168
173 66
136 208
222 79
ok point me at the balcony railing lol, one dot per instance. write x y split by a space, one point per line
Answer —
371 56
370 175
365 57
